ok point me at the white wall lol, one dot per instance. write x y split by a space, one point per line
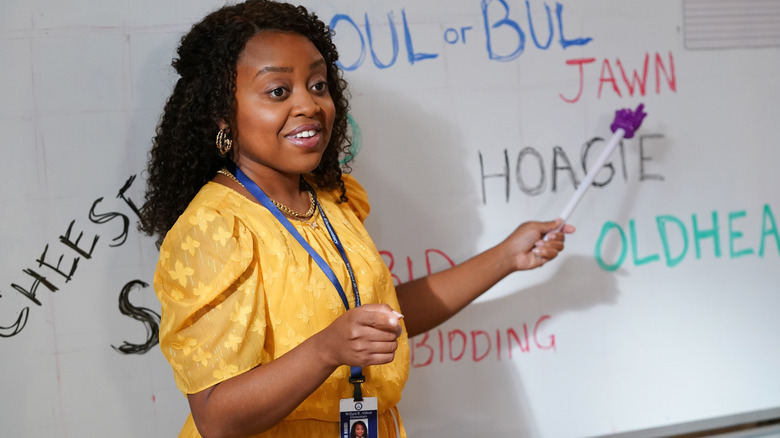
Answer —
658 329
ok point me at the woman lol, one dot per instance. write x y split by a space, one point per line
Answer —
358 430
246 161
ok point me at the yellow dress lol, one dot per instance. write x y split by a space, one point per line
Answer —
237 290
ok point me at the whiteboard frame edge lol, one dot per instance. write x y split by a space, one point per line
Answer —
701 425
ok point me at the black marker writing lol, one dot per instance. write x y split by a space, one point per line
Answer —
150 318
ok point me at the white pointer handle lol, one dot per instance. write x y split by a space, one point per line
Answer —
586 183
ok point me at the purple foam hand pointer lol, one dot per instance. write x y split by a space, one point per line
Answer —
628 120
625 125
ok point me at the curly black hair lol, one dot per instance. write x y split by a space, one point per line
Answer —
183 155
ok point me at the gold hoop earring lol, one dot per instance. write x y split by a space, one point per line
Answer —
223 142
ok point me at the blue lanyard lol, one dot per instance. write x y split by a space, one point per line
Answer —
356 372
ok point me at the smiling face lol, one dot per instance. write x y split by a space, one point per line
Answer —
359 430
284 111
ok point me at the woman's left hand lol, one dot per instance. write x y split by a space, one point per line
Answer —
533 244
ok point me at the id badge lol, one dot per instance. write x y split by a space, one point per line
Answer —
359 418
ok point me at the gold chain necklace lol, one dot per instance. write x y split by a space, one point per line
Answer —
307 217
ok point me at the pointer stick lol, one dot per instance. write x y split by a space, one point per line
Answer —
625 124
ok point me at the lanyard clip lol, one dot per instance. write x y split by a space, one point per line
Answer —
356 378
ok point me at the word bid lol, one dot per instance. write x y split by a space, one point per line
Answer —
430 255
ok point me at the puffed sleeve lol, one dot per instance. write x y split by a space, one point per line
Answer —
357 196
213 307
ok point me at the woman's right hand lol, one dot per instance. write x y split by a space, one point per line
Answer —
254 401
365 335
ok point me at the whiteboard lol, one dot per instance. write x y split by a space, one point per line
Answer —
472 117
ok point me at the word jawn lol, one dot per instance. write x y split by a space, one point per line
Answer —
438 346
674 236
633 81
